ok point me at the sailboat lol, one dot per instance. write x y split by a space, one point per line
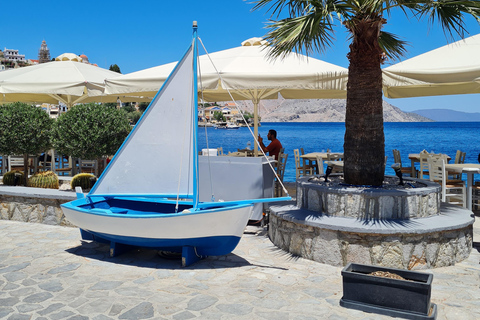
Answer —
148 196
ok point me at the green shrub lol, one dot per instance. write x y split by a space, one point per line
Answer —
84 180
47 179
9 178
90 131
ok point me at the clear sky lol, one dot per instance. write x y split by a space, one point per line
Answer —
141 34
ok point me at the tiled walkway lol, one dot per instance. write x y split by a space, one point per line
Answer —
47 272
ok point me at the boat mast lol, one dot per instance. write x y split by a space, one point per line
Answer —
195 117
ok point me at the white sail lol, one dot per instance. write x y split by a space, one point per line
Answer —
158 155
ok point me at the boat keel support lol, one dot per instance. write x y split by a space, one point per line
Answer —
189 256
119 248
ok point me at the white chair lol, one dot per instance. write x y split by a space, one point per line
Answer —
459 158
423 170
88 166
300 168
15 162
280 167
453 191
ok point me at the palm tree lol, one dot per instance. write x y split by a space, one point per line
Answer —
310 27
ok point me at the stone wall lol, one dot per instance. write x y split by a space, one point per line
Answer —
403 250
370 203
29 208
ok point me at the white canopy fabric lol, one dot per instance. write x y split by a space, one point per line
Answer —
249 75
66 81
451 69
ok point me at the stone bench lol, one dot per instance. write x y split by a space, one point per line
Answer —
434 241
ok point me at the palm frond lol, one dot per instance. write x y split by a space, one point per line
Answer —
392 46
450 14
310 33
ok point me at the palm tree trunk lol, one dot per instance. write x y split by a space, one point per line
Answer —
364 144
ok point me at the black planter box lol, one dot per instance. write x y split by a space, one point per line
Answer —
409 299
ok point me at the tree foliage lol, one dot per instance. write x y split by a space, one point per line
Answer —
24 129
89 131
115 68
218 115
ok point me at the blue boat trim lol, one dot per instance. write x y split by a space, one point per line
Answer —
206 246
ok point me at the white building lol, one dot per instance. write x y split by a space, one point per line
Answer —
12 55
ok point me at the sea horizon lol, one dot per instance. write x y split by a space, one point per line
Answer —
407 137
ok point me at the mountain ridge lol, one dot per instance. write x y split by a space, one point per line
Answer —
320 110
449 115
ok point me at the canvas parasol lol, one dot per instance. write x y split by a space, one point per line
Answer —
451 69
66 81
249 74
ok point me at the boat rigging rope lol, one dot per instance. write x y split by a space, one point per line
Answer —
241 113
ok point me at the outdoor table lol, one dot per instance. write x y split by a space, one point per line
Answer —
312 157
415 158
470 169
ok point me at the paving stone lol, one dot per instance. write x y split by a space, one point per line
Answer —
19 317
61 315
28 307
38 297
5 311
201 302
235 308
51 308
15 276
106 285
143 311
8 302
66 268
52 286
15 267
185 315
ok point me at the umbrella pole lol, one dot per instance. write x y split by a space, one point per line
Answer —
255 125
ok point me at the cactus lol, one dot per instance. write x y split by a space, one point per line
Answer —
9 178
84 180
47 179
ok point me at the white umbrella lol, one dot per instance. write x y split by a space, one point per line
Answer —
249 75
451 69
66 81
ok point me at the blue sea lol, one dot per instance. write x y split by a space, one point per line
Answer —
407 137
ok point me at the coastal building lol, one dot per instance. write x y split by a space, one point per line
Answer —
13 55
84 58
43 53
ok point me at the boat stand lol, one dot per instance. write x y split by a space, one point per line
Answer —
189 253
189 256
115 247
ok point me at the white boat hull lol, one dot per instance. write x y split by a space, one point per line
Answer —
214 231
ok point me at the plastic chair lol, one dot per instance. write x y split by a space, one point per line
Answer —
300 169
453 191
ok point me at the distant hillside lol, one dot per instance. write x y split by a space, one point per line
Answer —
320 110
448 115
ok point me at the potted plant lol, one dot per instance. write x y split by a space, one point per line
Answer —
396 293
